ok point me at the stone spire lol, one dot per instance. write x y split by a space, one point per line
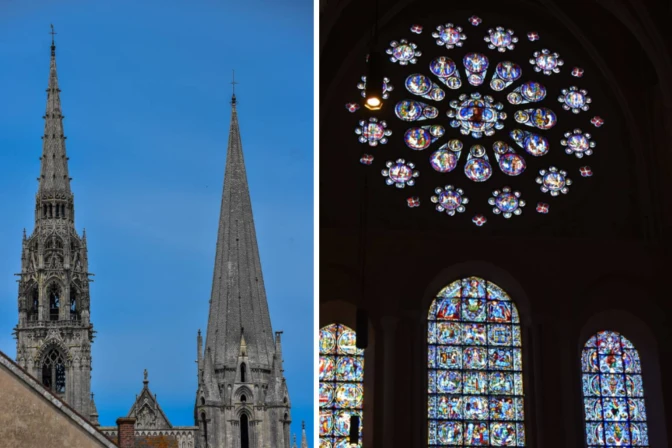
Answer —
238 301
304 439
54 178
54 285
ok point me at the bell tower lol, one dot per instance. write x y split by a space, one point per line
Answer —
54 333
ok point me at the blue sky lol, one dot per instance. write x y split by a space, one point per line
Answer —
145 92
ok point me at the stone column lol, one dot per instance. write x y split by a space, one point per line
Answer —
389 325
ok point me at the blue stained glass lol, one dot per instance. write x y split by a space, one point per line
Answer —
449 357
449 333
614 407
476 434
475 382
341 390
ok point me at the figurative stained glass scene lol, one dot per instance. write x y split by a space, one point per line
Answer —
341 385
475 379
498 105
613 394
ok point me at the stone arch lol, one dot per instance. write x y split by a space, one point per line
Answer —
31 294
75 300
53 292
644 340
243 390
53 341
244 410
52 365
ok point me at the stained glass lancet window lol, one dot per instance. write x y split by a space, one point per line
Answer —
341 385
475 379
613 395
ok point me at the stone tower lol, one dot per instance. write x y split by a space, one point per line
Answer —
242 399
54 333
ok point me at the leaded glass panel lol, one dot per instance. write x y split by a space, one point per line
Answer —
475 380
613 395
341 385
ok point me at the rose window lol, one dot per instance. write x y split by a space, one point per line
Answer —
498 118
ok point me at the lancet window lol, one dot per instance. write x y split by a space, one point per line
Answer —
341 384
475 379
613 392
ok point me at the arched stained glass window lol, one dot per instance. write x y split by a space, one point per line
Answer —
475 380
341 385
613 395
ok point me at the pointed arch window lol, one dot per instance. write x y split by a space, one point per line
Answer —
341 384
244 432
34 304
613 393
74 308
54 294
242 372
53 371
475 379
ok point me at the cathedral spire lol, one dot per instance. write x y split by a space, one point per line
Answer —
238 299
54 180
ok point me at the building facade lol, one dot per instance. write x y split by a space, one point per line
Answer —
242 399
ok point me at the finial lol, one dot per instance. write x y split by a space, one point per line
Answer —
233 84
199 331
303 424
91 396
53 45
145 380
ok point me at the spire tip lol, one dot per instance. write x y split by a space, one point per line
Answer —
233 84
53 44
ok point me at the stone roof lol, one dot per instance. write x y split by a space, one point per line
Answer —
54 167
146 410
238 302
59 405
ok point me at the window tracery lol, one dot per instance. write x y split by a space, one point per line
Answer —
504 97
475 379
53 371
613 392
341 385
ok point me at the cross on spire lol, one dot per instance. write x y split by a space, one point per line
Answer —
233 85
53 45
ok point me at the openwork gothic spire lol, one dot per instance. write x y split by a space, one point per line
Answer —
54 179
238 296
